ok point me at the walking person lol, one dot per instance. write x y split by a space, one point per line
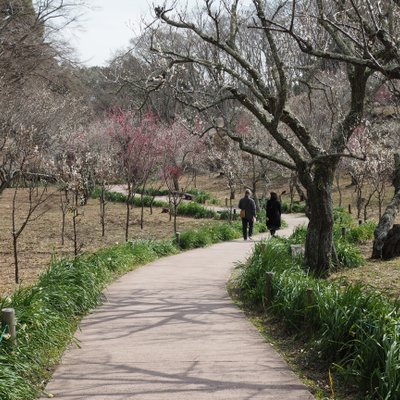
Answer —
273 213
247 213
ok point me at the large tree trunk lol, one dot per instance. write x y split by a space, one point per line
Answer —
389 216
319 239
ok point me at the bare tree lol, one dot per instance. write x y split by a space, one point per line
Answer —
365 38
30 78
181 151
261 69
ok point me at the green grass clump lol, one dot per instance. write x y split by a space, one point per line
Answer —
356 234
299 235
226 216
352 329
136 201
201 196
209 234
48 313
342 217
297 207
349 254
190 209
195 210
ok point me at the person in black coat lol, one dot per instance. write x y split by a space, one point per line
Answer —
273 213
248 214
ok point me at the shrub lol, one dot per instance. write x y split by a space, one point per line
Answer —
225 215
136 201
342 218
191 209
200 196
297 207
349 254
195 210
209 234
362 233
48 312
299 235
355 329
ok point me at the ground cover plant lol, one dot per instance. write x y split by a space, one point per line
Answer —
215 233
347 237
42 238
191 209
350 329
48 313
296 207
137 201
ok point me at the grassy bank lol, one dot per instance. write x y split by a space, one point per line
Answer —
49 312
350 331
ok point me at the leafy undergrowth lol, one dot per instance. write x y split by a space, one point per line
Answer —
339 335
49 312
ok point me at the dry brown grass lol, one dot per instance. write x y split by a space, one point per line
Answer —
383 276
42 237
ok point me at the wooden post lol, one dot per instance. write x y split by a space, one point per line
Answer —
360 222
309 304
8 318
343 231
349 208
309 297
269 276
226 202
178 238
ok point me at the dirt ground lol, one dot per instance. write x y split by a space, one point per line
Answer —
41 239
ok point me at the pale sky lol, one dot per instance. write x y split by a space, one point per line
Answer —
107 27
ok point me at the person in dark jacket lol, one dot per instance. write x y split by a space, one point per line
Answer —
273 213
248 214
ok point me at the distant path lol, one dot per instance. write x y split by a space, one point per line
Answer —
122 189
169 331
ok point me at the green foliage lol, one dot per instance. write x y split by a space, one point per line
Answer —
353 328
342 218
48 312
356 234
297 207
190 209
299 235
225 215
347 250
201 196
349 254
195 210
156 192
252 278
136 201
209 234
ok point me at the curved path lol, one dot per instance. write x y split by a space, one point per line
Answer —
169 331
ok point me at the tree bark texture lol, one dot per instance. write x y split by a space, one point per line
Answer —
389 216
319 239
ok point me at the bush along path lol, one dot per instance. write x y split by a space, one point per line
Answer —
350 330
170 331
48 313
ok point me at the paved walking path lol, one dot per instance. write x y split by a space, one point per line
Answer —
169 331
